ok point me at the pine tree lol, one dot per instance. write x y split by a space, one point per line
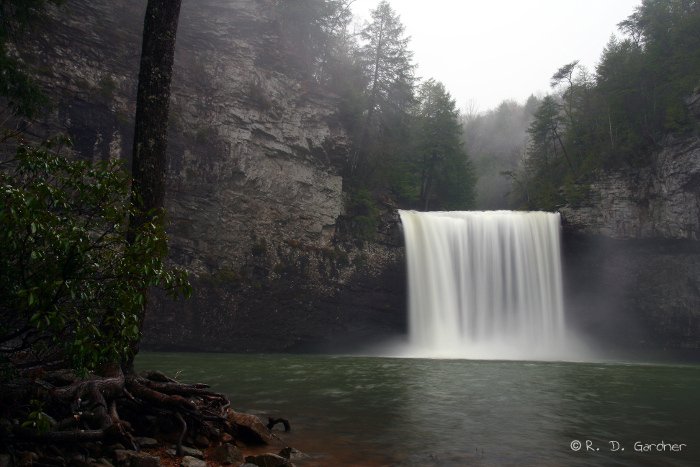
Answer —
545 161
446 174
386 61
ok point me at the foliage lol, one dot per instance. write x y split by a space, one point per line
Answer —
363 213
387 65
619 116
37 419
446 174
373 74
318 37
387 61
71 286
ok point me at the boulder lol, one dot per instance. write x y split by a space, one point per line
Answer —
146 442
269 460
202 441
144 460
189 461
251 430
292 454
226 454
186 451
124 457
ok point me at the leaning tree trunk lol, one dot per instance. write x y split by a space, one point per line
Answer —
148 165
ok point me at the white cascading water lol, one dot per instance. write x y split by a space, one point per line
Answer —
484 284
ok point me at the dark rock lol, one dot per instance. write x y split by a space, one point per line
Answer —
122 457
79 461
251 430
226 454
269 460
634 297
95 449
189 461
187 451
146 442
52 455
57 461
144 460
5 460
293 454
201 441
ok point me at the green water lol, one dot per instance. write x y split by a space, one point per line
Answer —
380 411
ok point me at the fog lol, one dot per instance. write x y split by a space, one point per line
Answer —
489 51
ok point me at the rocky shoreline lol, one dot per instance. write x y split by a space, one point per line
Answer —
151 453
88 423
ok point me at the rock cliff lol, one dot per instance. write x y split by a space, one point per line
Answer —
632 251
254 193
660 201
255 196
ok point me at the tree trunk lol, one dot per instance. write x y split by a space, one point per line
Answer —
152 104
148 166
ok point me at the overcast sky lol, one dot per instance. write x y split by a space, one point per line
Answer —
485 51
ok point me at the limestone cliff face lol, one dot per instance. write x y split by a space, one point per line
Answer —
253 189
632 251
661 201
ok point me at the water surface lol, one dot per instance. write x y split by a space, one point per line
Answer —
382 411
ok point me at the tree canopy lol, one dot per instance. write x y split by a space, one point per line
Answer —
620 115
446 174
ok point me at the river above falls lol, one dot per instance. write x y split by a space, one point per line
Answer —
368 411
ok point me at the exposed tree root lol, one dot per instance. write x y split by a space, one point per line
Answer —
271 422
114 408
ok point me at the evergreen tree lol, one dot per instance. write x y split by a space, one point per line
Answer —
386 61
316 32
545 163
445 172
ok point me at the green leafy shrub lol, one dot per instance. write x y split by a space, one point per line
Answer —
363 214
71 287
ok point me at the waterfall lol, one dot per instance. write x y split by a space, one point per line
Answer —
484 284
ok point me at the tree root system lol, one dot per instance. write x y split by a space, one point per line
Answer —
56 418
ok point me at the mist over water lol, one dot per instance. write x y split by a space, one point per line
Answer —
486 285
